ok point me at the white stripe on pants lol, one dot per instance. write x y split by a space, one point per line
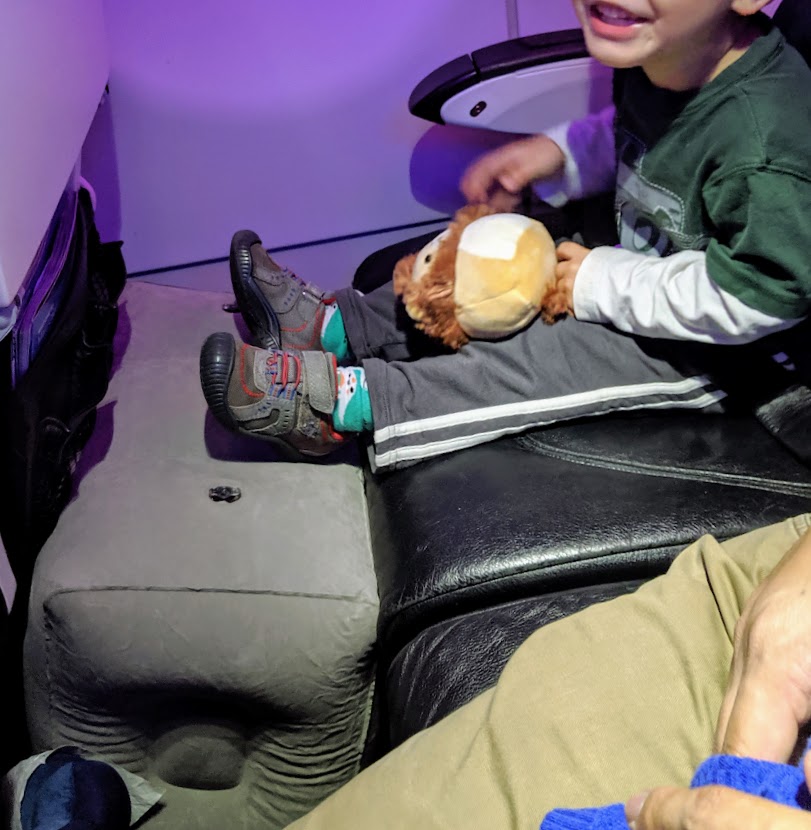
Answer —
428 404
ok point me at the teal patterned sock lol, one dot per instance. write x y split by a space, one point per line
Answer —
353 408
333 333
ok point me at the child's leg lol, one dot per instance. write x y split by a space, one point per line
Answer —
539 376
421 408
377 325
283 311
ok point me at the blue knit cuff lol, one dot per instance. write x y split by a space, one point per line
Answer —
781 783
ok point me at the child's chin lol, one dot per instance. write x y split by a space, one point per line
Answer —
613 55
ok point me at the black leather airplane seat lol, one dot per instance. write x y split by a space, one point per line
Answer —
475 550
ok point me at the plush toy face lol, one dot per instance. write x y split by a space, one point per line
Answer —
422 264
486 276
505 266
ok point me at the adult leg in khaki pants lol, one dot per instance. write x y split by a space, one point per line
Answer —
616 699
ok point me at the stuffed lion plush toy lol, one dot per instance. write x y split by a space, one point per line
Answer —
488 275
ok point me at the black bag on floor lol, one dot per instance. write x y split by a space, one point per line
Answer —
51 402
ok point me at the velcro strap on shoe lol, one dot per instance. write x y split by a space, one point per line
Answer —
319 368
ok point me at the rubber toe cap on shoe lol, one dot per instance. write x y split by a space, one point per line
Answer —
216 365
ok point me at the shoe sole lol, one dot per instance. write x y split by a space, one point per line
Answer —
217 360
260 318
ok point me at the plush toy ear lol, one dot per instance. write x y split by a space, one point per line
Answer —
402 274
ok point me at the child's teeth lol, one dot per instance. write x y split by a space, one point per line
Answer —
613 13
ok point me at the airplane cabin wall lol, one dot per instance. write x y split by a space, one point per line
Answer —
290 119
544 16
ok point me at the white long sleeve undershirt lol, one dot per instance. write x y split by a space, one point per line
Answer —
672 297
588 145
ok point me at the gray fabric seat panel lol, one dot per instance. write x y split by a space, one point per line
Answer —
224 650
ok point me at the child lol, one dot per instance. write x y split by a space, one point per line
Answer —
708 150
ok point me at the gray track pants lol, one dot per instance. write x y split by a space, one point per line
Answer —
427 404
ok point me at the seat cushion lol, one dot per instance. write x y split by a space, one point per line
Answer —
569 506
221 649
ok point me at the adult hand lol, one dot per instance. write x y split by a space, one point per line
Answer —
767 701
570 258
768 698
498 177
711 808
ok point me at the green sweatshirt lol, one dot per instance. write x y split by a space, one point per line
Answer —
725 169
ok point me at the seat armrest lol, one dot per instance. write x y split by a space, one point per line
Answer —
522 85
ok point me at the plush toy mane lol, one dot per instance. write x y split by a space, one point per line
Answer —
430 301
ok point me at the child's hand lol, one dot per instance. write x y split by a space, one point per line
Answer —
570 258
498 177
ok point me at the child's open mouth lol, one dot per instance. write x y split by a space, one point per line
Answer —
613 15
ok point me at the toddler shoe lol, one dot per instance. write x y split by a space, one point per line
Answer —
286 397
281 310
